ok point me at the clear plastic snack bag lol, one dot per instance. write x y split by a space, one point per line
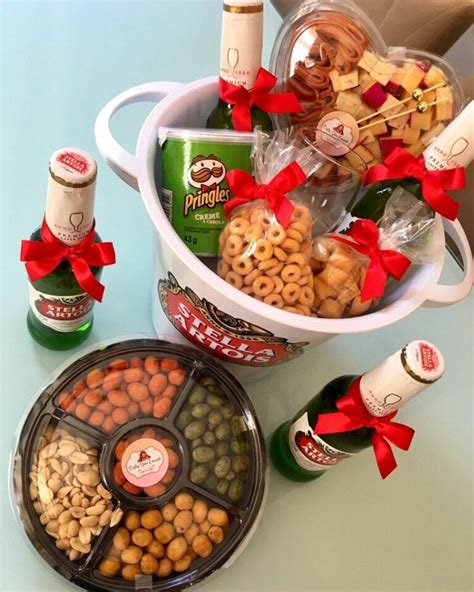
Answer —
350 271
265 247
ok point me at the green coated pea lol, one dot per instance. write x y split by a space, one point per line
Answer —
195 443
207 381
199 474
238 465
238 446
208 438
211 481
200 410
237 428
198 395
222 448
222 486
230 476
194 430
222 467
184 418
203 454
214 419
214 400
227 411
236 489
223 431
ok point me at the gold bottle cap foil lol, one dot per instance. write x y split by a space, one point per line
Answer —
243 6
73 167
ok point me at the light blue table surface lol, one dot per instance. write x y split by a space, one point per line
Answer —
61 62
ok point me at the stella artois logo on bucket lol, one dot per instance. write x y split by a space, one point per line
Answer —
222 335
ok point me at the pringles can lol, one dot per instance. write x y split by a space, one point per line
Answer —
194 163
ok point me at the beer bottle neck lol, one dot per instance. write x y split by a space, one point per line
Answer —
71 192
241 41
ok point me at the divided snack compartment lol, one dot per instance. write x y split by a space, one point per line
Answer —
242 512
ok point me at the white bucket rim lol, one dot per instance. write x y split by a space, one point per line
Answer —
410 299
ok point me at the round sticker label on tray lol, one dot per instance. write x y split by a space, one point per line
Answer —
337 133
145 462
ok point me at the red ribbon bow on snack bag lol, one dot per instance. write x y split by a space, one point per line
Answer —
365 237
42 257
245 189
401 164
353 415
259 96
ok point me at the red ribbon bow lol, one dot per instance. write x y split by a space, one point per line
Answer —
383 262
245 189
401 164
42 257
258 96
353 415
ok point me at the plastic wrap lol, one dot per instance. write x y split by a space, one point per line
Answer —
340 271
353 87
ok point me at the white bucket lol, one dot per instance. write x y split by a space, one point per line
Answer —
203 307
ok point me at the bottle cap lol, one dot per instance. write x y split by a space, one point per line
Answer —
73 167
401 377
423 361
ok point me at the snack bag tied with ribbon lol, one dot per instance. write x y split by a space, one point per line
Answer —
351 270
265 247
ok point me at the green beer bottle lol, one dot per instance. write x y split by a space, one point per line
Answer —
60 312
241 58
301 455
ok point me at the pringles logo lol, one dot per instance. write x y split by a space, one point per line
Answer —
229 338
206 174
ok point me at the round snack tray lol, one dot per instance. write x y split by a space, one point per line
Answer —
52 428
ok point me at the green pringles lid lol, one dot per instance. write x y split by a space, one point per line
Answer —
194 163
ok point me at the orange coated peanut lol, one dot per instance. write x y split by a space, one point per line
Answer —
169 476
173 458
157 384
66 400
137 391
79 387
152 365
169 364
177 377
130 488
83 411
108 425
112 380
96 418
133 375
118 398
120 416
161 407
133 409
120 449
154 490
146 406
169 392
93 398
119 477
95 377
118 364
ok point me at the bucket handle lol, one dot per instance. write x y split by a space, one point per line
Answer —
120 160
442 295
